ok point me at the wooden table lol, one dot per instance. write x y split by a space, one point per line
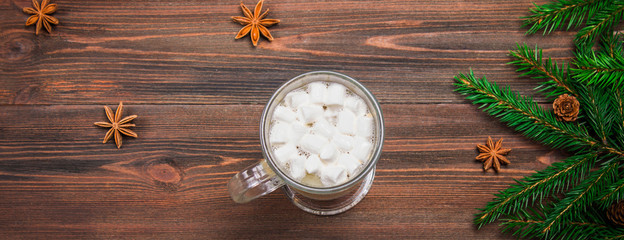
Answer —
199 94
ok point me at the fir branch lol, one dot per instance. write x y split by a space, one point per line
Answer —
599 68
531 62
618 119
536 187
552 15
604 20
596 79
621 236
618 103
597 105
527 222
590 225
525 115
612 44
574 230
579 198
611 194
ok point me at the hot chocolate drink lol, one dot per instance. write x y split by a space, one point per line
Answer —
322 134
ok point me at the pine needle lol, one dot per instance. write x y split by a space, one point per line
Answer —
533 189
530 62
604 20
604 69
552 16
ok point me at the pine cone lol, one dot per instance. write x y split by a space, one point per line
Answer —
615 213
566 108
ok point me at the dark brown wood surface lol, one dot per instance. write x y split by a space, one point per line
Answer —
199 94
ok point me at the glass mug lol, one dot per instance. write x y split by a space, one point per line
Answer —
266 176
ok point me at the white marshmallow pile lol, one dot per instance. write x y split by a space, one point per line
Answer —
322 129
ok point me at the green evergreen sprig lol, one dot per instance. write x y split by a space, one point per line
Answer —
530 62
597 105
603 21
618 115
537 187
611 194
578 199
552 16
604 68
568 199
526 116
612 44
529 223
599 17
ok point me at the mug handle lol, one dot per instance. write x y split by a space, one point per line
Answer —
253 182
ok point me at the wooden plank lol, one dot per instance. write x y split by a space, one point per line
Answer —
199 94
58 179
185 53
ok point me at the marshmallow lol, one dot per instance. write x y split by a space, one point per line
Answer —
362 149
324 128
335 94
280 133
365 126
331 113
296 99
285 154
317 92
297 168
351 164
284 114
343 142
297 131
312 143
333 175
313 165
311 112
346 122
356 105
329 153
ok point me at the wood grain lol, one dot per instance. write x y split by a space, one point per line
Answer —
185 53
199 95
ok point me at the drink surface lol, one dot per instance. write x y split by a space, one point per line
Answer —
322 134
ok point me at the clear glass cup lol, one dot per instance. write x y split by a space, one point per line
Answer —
265 176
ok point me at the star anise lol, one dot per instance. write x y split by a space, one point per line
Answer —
492 154
40 15
117 125
255 23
